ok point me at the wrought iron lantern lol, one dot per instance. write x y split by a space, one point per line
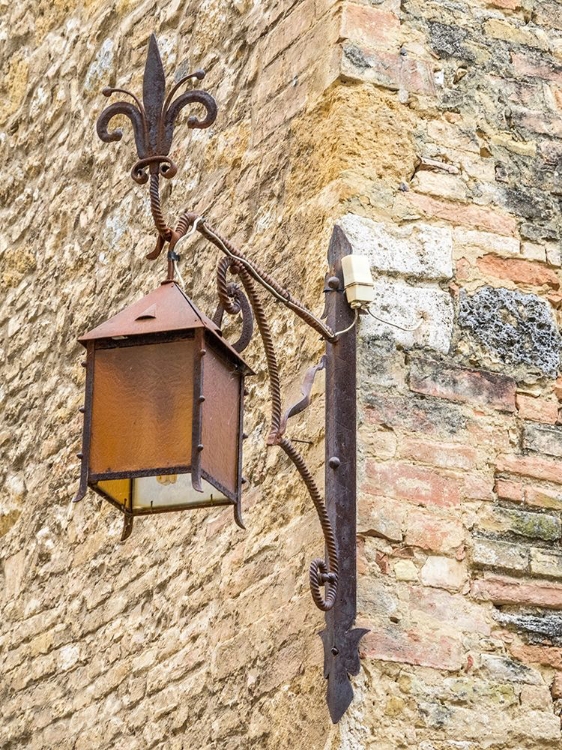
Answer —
163 412
164 389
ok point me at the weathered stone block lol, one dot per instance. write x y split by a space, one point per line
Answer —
414 414
417 316
418 249
503 669
517 328
531 466
504 590
495 554
543 439
432 532
443 573
392 71
546 563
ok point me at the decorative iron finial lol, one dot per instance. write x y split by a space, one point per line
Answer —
153 119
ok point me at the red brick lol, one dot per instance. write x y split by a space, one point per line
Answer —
491 389
527 272
537 409
412 647
549 657
524 65
444 455
477 487
531 466
492 220
414 484
431 532
504 590
507 490
392 71
369 27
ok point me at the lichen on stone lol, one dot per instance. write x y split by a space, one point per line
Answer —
517 328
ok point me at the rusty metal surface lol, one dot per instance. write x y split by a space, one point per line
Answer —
153 119
340 638
321 572
167 308
233 301
306 391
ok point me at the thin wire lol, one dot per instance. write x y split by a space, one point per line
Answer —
191 231
345 330
178 272
395 325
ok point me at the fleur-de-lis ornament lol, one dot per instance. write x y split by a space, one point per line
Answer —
153 122
153 119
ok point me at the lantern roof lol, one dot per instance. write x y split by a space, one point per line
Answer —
165 309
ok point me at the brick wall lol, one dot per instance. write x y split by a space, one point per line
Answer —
460 472
431 132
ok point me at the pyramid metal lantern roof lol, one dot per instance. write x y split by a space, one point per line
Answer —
165 309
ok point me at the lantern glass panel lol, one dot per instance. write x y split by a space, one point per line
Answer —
169 490
117 489
142 407
222 384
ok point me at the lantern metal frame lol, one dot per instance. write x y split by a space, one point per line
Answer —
153 123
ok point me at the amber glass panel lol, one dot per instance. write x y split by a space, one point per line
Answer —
142 407
117 489
221 388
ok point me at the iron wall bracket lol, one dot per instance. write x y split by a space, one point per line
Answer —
340 638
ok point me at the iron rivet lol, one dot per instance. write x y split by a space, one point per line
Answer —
245 392
79 455
243 480
82 410
333 282
244 436
335 651
334 462
201 399
203 352
84 363
200 447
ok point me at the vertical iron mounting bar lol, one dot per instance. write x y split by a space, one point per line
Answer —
340 638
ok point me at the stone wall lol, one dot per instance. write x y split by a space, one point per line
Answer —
431 132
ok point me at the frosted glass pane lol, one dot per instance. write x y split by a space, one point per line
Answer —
171 490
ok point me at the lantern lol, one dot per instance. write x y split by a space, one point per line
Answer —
163 411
